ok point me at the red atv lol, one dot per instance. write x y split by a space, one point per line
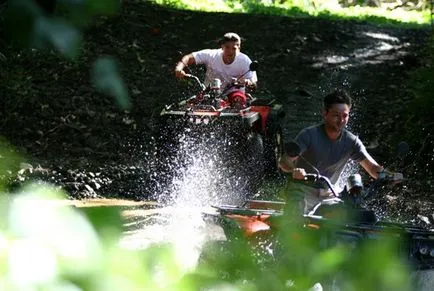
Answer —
342 219
245 132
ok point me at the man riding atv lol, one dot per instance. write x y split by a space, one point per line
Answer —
326 148
226 66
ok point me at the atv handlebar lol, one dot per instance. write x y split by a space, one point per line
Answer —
390 177
233 84
193 77
217 94
384 178
318 177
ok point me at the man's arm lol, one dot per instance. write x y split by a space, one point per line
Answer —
251 80
250 84
180 66
371 166
287 165
365 159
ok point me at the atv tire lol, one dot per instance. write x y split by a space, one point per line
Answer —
273 149
273 141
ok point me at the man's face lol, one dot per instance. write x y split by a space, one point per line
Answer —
336 117
230 49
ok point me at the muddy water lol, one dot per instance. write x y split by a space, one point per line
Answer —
147 223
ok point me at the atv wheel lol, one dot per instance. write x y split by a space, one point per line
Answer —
254 163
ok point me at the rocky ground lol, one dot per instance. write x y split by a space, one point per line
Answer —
74 137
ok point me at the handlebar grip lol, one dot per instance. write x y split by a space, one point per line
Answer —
397 177
311 177
392 177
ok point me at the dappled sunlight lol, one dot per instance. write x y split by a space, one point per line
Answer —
380 48
336 59
382 36
352 9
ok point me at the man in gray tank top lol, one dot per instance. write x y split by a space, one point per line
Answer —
328 147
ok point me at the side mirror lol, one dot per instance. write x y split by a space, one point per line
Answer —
253 66
292 149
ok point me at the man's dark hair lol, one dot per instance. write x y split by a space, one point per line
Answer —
337 96
230 36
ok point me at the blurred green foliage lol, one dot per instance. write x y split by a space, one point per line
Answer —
48 245
45 245
390 12
107 79
10 161
58 24
417 123
421 86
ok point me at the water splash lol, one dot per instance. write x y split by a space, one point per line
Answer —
209 166
202 169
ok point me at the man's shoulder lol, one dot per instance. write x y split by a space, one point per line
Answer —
206 56
310 133
243 56
210 52
313 129
351 137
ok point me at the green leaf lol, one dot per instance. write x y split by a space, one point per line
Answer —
9 162
103 6
329 261
106 78
37 214
107 222
25 13
91 7
58 34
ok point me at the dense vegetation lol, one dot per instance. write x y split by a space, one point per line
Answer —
415 12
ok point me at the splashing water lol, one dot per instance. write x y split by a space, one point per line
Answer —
204 171
208 168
